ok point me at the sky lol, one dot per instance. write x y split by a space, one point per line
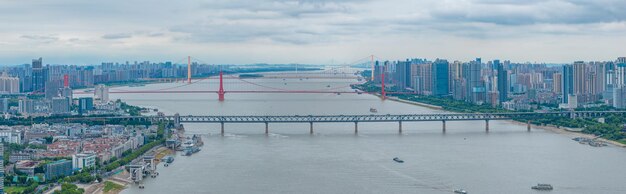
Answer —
309 31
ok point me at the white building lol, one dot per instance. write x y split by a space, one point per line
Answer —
10 136
101 93
9 85
83 160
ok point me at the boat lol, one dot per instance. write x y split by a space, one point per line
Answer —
544 187
398 160
328 86
460 191
373 110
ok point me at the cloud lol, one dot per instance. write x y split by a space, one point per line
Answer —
41 38
299 26
116 36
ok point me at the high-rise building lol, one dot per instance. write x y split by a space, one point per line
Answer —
52 89
503 86
9 85
619 97
567 83
85 104
557 81
101 93
580 77
440 73
26 106
4 105
38 76
476 89
402 77
60 105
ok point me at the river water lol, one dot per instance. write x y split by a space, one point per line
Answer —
507 159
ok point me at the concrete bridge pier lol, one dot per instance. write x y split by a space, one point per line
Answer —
311 131
356 128
222 128
267 128
400 127
444 125
528 125
486 125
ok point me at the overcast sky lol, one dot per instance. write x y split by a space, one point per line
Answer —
308 31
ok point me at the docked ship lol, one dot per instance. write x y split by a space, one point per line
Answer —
373 110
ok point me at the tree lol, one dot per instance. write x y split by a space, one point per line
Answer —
68 188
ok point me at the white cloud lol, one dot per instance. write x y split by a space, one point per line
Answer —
307 31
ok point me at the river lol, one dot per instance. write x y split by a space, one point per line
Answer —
507 159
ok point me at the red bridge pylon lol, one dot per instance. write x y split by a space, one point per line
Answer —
220 92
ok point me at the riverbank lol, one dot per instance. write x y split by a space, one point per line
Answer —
554 129
570 133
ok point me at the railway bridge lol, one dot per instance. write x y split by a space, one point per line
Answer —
177 119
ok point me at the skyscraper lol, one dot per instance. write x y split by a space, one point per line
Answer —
503 85
440 79
38 76
568 82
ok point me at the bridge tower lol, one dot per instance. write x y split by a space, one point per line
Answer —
220 92
189 69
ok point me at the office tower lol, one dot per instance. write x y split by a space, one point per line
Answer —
440 79
9 85
85 105
101 93
568 82
503 86
38 76
476 88
4 105
26 106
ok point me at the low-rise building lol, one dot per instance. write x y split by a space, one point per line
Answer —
83 160
15 157
26 167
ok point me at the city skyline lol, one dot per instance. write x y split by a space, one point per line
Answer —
319 32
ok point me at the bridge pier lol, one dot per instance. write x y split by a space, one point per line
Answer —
400 127
222 128
311 130
267 128
444 125
356 128
486 125
528 125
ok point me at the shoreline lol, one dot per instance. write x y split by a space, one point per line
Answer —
553 129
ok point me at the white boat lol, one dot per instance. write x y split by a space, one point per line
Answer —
460 191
